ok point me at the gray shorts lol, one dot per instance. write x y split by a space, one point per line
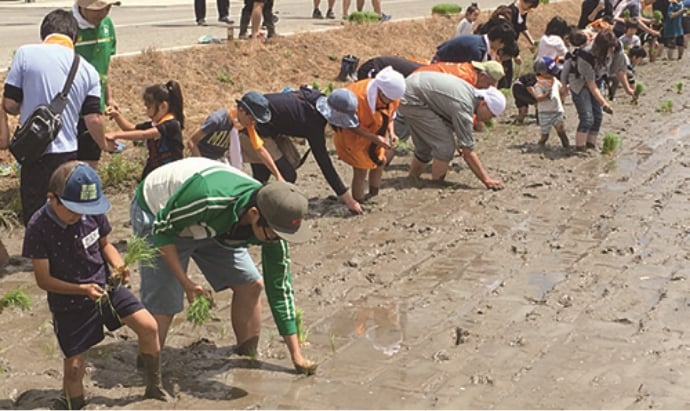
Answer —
222 267
548 119
432 136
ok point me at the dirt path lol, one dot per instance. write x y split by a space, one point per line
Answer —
568 289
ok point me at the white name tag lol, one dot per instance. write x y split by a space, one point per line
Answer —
90 239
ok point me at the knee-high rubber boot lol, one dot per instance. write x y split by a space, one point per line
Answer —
152 378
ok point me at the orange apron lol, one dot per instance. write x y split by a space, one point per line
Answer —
358 151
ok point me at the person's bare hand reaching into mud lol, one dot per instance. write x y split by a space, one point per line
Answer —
493 184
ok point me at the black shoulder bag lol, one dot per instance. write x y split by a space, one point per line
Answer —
30 141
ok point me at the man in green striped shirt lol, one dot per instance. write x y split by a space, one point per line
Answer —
209 211
96 43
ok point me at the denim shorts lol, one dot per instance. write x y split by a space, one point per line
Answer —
222 267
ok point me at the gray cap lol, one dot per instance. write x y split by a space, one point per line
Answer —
284 207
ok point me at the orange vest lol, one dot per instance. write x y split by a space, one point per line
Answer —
356 150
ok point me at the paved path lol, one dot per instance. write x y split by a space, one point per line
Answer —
143 24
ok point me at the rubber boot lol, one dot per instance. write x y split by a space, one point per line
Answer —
348 68
152 378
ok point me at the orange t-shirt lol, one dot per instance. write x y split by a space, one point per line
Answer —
254 138
464 71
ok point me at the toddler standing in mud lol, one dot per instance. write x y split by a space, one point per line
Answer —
163 134
549 92
67 242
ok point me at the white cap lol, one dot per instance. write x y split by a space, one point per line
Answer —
494 99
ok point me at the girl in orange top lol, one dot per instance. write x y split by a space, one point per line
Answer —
364 147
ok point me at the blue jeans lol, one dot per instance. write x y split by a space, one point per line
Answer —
222 267
589 112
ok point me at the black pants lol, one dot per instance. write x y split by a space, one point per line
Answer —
34 179
262 173
507 80
200 8
88 149
245 18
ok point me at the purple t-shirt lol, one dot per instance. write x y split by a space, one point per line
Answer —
73 252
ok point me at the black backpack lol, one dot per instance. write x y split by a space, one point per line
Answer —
30 141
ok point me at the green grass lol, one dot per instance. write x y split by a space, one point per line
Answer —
361 17
15 298
224 77
612 142
119 173
199 311
445 9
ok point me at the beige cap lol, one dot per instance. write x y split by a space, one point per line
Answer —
492 68
96 4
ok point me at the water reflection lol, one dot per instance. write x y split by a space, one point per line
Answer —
383 325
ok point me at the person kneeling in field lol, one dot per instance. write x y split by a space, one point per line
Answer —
437 105
211 212
67 242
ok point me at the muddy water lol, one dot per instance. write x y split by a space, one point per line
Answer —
568 289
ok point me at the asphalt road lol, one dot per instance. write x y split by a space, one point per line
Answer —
142 24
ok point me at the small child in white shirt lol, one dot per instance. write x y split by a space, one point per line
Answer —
630 39
549 93
466 25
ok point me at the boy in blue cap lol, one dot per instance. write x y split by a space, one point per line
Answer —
67 242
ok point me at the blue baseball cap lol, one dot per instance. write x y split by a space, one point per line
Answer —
82 192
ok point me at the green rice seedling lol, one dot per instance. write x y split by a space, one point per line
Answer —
361 17
489 123
445 9
302 334
138 250
402 147
665 107
508 92
626 14
224 77
333 57
611 143
199 311
287 53
679 87
329 88
315 85
658 16
118 172
543 1
332 341
639 88
15 298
